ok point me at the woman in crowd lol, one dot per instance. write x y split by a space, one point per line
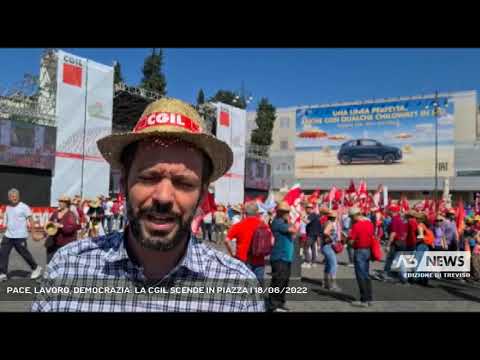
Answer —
330 237
95 217
62 227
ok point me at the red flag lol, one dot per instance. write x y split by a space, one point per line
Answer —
362 189
351 188
404 203
313 198
339 195
293 194
331 195
208 204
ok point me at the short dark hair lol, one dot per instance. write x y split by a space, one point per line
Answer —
128 154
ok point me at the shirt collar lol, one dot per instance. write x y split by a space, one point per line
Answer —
192 260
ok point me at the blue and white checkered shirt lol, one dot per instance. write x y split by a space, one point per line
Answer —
103 263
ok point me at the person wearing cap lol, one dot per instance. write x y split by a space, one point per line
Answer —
330 237
18 223
243 232
282 256
361 236
66 224
167 163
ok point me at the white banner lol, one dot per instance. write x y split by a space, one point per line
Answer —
96 171
232 128
84 114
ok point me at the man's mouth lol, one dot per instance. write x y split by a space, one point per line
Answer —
161 222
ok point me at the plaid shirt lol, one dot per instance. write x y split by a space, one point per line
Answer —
104 262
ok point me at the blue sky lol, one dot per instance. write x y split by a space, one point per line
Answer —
288 77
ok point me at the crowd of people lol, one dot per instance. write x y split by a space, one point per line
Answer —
74 219
355 229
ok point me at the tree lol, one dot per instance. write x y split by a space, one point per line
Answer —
153 78
265 120
200 97
117 73
230 98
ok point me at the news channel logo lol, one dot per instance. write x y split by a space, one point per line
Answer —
435 264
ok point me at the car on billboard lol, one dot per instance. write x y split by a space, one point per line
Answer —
360 150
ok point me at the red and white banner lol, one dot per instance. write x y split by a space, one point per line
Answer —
84 106
39 214
232 129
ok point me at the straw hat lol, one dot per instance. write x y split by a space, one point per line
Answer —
237 208
95 203
439 217
332 213
412 213
324 211
476 218
308 206
51 229
65 198
283 206
354 211
170 118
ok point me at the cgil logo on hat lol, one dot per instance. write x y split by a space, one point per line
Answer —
163 118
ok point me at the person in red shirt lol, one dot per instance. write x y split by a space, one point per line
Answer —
412 226
243 232
361 237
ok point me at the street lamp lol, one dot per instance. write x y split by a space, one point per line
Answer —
436 107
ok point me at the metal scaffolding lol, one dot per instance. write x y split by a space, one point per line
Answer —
33 98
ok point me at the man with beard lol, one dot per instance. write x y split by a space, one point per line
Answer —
167 163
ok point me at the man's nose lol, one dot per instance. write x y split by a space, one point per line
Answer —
164 192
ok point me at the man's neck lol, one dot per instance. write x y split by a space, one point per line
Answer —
156 264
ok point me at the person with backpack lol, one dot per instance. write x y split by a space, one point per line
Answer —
253 241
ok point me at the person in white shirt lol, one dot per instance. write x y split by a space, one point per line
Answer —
109 214
18 217
207 226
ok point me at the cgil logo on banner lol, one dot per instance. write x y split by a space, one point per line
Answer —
72 71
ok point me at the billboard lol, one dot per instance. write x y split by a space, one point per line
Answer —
257 174
384 139
84 114
232 129
27 145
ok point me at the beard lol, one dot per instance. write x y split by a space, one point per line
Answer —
159 240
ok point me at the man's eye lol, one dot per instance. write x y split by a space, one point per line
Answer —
145 178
